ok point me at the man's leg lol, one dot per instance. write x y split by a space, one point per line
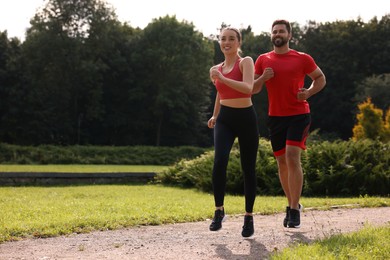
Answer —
295 143
295 183
284 176
295 175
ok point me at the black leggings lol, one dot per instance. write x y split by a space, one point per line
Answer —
232 123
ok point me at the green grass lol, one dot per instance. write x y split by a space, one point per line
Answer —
368 243
59 210
81 168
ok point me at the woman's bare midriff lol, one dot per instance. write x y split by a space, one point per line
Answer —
237 102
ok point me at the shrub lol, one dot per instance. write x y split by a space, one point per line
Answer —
347 168
370 123
198 172
338 168
133 155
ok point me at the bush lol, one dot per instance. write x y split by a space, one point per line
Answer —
339 168
190 173
198 172
132 155
347 168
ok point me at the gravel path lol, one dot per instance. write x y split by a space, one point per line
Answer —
194 241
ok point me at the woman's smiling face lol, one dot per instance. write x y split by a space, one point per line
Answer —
229 41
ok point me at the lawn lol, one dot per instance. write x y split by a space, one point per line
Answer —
58 210
36 211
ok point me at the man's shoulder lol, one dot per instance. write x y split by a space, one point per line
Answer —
298 53
265 56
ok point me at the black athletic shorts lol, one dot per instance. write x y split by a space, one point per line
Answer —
288 130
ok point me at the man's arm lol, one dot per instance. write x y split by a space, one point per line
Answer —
319 82
261 79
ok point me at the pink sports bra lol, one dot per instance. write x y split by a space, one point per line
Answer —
226 92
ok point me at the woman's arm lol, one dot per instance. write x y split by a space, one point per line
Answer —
244 86
217 107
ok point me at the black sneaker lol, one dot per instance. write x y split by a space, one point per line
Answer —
248 229
219 216
295 219
285 220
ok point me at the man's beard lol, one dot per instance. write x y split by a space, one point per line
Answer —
279 41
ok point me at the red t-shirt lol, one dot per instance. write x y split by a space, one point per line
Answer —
226 92
290 70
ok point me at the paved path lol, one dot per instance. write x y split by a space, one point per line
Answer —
193 240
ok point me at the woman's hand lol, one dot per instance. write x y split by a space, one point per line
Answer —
211 122
215 74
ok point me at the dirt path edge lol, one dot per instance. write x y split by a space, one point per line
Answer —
194 240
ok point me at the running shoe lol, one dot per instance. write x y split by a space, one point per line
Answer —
285 220
295 219
248 229
219 216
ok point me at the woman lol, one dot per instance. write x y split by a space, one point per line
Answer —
234 116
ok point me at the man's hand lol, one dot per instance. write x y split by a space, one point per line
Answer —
267 74
303 94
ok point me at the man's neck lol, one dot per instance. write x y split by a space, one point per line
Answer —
282 50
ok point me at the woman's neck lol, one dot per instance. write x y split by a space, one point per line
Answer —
230 60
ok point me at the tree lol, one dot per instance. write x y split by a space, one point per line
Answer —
113 46
82 77
175 75
370 123
11 88
377 87
340 49
64 84
4 80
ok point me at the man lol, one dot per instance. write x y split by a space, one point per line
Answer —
283 71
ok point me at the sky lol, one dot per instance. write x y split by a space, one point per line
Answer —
207 16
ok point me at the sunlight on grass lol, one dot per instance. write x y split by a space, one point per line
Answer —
368 243
52 211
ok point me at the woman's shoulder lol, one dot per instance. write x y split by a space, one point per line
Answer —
216 66
246 62
246 59
249 58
